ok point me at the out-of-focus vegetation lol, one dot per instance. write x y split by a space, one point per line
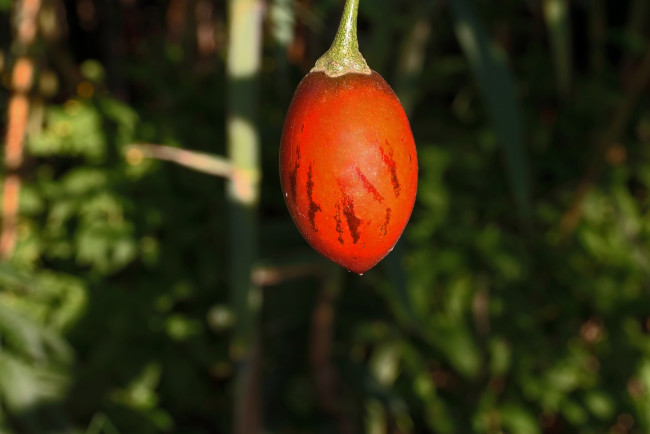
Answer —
518 300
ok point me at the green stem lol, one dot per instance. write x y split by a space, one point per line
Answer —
344 56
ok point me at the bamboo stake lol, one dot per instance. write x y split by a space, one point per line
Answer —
25 17
243 65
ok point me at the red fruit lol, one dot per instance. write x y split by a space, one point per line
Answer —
348 167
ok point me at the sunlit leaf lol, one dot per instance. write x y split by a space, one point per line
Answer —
600 404
24 385
519 420
28 338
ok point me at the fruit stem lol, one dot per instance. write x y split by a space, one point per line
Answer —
344 56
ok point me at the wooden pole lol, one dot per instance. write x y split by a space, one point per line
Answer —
26 14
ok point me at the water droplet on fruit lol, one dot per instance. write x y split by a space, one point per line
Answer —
360 274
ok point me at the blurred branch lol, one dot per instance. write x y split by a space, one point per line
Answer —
201 162
176 20
26 15
556 15
320 346
269 276
326 376
620 119
205 31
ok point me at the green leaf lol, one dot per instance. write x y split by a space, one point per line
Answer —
141 392
18 385
72 130
399 284
28 338
23 385
573 412
101 424
385 363
12 278
501 356
519 420
93 70
600 404
497 85
456 343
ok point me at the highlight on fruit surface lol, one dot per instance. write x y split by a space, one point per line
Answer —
348 163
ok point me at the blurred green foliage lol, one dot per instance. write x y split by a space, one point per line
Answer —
489 317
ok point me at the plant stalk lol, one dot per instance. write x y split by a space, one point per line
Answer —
344 57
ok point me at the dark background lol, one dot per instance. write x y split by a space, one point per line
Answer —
516 301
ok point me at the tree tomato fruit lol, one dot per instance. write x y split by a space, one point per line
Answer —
348 167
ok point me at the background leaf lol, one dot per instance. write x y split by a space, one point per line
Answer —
498 87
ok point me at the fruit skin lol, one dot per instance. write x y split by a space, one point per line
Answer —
348 167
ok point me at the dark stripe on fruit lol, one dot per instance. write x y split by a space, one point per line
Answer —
351 218
388 160
339 223
384 227
368 186
313 206
293 174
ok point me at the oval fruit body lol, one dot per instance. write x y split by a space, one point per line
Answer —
348 167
